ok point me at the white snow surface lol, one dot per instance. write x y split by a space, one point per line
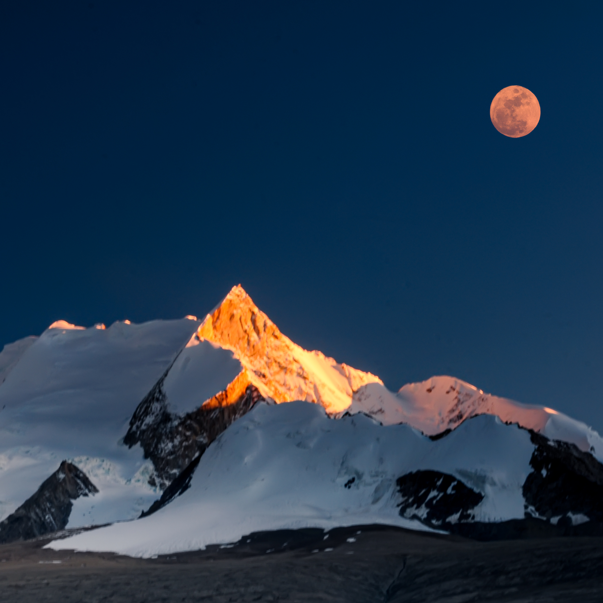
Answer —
286 466
70 396
12 353
201 371
578 518
443 402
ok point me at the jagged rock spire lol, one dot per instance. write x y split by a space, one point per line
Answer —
239 325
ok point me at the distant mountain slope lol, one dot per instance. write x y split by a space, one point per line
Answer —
442 403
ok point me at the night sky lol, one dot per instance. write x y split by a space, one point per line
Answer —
335 158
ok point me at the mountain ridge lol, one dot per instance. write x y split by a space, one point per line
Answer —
292 373
137 409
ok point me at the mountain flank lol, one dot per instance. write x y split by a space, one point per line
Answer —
49 508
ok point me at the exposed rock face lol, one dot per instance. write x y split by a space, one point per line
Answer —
178 486
151 426
566 486
49 508
170 441
276 366
436 499
563 497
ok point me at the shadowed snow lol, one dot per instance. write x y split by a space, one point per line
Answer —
71 396
287 466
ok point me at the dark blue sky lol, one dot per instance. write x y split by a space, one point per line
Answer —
335 158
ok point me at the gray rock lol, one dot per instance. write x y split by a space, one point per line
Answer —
49 508
172 441
562 494
437 499
565 482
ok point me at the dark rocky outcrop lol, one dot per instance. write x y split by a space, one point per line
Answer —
565 482
178 486
151 426
563 497
436 499
49 508
171 441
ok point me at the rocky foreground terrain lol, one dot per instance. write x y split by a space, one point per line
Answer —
366 564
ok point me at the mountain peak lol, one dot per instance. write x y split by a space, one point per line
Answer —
280 369
442 384
239 325
64 326
236 296
237 292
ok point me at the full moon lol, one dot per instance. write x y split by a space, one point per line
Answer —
515 111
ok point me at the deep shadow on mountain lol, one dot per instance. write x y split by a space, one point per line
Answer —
360 564
562 494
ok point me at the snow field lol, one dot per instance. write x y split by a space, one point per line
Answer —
70 396
290 466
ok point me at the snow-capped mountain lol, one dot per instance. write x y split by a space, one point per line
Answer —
69 396
290 466
177 419
443 403
276 366
239 355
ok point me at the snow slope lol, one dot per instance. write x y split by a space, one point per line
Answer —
442 403
70 396
201 371
291 466
11 354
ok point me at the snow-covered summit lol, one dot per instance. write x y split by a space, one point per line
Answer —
283 371
442 403
65 326
280 369
236 358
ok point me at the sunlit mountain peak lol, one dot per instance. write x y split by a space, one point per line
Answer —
64 326
280 369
